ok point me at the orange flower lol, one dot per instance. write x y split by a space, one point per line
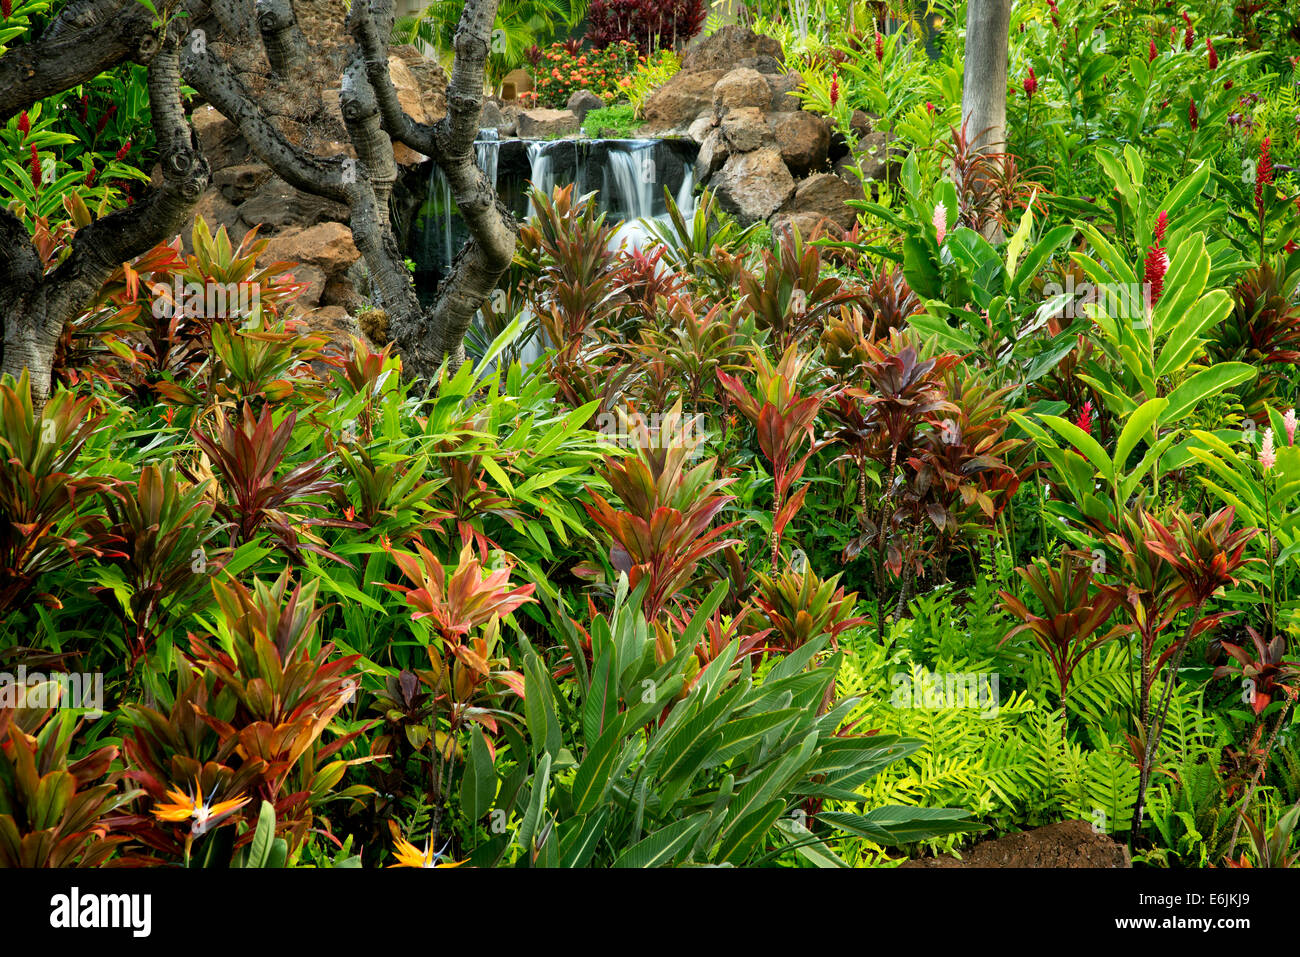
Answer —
408 855
205 816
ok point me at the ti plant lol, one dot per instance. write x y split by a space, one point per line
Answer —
42 492
466 677
665 527
1074 616
784 418
54 812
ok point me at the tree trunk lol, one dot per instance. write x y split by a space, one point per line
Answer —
984 82
34 306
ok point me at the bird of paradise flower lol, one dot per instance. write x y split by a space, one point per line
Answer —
408 855
204 814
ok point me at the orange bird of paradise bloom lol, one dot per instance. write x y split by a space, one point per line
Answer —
408 855
205 816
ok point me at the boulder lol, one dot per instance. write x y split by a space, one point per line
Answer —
742 88
583 102
745 129
220 139
860 123
728 47
216 211
237 183
509 119
430 78
676 104
808 224
783 86
327 245
826 195
713 153
277 204
752 186
869 156
412 99
543 124
702 127
490 117
314 277
335 322
803 139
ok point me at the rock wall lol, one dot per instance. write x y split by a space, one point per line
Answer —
766 158
304 229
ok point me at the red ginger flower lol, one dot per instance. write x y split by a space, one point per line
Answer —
1084 421
835 88
880 48
36 168
1189 38
6 7
1211 53
1031 84
126 148
1193 115
1151 51
1263 172
24 124
1157 263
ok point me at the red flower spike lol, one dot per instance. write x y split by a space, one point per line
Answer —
1263 172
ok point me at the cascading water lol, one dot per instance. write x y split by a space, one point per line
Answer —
627 176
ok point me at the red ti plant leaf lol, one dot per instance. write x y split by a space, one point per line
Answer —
784 422
665 527
1073 613
456 603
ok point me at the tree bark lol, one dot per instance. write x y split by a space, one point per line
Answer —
34 308
984 81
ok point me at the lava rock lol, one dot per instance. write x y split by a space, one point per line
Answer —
826 195
803 139
752 186
742 88
728 47
745 129
676 104
583 102
713 153
542 124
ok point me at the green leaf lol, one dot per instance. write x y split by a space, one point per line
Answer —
592 778
1084 442
664 844
744 835
260 849
1138 426
478 787
1202 385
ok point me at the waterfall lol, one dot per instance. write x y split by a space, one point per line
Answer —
626 182
442 233
627 177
